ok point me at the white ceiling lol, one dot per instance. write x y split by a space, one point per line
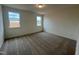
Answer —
44 10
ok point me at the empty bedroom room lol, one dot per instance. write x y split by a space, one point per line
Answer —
39 29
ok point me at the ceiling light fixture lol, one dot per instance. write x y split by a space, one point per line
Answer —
40 5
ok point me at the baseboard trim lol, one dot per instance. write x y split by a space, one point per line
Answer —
22 35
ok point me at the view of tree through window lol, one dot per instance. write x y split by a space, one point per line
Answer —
14 19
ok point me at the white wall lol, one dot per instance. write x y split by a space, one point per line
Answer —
27 21
77 47
62 21
77 38
1 28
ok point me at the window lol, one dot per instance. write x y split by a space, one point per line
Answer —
39 20
14 19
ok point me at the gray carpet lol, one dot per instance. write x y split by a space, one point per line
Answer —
39 44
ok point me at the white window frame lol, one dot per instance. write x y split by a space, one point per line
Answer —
38 20
14 23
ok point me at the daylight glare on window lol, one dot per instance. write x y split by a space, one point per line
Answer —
14 19
39 20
